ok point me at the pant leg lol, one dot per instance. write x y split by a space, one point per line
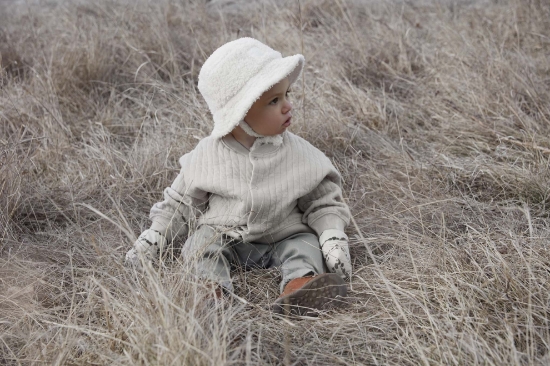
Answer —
252 255
297 256
211 255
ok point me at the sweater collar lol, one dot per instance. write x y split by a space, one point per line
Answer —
262 145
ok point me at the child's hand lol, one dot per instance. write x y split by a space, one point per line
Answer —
334 244
146 247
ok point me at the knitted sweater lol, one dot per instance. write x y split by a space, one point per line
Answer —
262 195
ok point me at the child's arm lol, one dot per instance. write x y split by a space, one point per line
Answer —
324 207
170 217
327 214
181 205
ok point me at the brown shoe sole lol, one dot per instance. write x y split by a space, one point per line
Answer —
317 294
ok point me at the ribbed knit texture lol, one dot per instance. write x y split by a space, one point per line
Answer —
265 192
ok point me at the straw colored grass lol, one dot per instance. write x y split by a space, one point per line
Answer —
437 114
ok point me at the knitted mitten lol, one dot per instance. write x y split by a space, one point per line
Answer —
146 247
334 244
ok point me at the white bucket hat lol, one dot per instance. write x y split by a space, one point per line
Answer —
237 74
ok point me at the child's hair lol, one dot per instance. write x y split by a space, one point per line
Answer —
237 74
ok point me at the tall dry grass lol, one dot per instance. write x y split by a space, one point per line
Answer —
436 113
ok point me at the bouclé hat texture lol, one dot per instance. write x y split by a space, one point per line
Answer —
237 74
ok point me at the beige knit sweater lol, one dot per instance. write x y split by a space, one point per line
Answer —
264 194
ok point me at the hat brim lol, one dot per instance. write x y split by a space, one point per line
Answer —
234 111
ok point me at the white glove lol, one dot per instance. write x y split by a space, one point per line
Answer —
147 247
334 244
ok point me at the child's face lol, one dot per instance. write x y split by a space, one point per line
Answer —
271 114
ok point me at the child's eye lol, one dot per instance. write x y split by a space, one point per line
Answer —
274 101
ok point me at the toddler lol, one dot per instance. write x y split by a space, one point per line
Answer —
258 195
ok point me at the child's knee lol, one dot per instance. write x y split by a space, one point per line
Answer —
202 239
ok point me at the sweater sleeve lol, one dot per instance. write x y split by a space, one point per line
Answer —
182 204
324 207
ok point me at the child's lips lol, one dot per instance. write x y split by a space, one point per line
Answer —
287 122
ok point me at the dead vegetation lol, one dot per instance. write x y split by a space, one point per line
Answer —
437 113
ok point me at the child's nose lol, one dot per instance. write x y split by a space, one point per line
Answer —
287 107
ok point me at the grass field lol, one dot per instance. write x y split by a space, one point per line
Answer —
436 112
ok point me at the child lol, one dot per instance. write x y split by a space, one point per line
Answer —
258 195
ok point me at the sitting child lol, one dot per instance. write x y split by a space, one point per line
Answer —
259 196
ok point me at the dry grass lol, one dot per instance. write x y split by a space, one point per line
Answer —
436 112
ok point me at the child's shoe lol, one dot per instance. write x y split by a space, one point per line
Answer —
305 295
215 291
213 298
